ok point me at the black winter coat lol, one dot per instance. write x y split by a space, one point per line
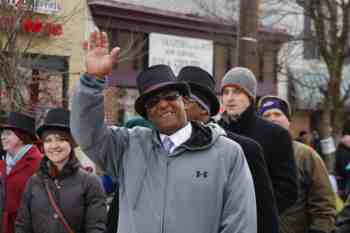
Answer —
278 152
265 198
342 170
78 194
343 219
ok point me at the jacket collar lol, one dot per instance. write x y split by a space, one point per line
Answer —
201 137
27 159
180 136
241 123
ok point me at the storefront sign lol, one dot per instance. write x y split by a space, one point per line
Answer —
178 52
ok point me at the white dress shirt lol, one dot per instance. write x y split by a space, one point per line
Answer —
179 137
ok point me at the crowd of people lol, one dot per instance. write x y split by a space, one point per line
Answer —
182 167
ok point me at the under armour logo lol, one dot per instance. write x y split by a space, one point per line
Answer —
200 174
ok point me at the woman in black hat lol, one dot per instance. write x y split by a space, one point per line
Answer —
61 196
21 161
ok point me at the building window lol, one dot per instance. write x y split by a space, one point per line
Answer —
40 6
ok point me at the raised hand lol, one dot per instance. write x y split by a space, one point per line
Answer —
99 60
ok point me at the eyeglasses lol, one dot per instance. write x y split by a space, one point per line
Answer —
191 100
194 102
153 101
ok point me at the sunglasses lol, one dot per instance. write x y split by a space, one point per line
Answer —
153 101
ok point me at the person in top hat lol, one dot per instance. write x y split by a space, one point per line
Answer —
180 176
201 105
21 162
238 95
202 86
314 211
78 193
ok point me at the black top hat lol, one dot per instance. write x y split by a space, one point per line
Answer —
202 85
20 122
57 118
154 79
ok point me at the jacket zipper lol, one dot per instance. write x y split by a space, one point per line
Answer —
165 195
58 194
58 186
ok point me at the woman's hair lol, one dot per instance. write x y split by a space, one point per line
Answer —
62 133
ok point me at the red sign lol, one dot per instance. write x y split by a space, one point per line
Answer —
37 26
32 25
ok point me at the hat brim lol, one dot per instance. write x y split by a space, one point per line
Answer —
11 127
209 95
43 128
140 101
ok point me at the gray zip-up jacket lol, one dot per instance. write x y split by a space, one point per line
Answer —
204 186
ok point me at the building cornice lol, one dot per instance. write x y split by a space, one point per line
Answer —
117 15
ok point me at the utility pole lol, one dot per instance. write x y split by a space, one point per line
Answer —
248 35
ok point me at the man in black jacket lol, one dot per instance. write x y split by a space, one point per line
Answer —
342 162
343 219
200 106
238 89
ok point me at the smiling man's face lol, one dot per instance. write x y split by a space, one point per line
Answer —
167 112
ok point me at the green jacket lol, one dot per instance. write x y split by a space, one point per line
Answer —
315 209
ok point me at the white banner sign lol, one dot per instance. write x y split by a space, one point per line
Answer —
328 146
178 52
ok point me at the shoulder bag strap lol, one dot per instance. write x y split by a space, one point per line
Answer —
57 210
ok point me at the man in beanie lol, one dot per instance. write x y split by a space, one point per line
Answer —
342 162
201 105
315 209
238 90
180 176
